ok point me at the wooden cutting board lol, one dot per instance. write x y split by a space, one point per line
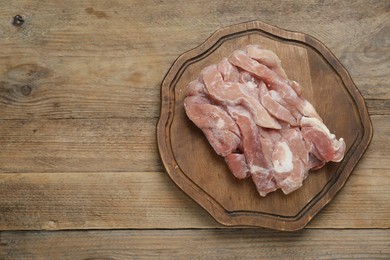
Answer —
203 175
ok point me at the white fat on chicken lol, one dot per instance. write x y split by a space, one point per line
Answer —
220 124
251 84
257 169
314 122
338 146
309 111
282 158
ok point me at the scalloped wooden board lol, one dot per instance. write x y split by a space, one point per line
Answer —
203 175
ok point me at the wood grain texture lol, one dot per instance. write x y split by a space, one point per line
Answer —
203 175
93 145
102 62
52 201
197 244
96 200
115 74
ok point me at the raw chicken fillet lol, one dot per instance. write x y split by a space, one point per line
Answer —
258 120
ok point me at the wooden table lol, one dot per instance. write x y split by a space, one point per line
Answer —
80 175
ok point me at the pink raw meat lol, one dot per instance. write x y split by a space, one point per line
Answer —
293 110
235 94
196 88
219 128
259 167
273 81
237 164
326 144
266 57
273 107
290 157
295 86
258 120
229 72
